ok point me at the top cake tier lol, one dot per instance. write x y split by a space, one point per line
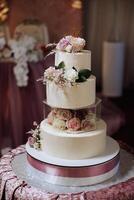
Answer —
79 60
70 83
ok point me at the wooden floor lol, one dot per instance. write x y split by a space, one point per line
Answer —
126 103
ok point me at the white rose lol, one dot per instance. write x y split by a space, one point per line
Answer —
69 48
78 44
60 124
71 75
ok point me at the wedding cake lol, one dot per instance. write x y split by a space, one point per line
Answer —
70 145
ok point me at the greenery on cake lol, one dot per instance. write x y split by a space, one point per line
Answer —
66 76
34 139
72 120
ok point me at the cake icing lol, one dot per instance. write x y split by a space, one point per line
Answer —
66 145
77 96
80 60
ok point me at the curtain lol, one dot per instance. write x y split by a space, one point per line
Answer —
110 20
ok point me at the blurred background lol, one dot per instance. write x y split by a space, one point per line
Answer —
27 26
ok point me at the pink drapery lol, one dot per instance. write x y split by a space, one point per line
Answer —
20 106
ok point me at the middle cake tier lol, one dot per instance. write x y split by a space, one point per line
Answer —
59 143
76 96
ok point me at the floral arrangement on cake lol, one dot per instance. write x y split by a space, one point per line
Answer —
68 44
65 76
61 74
34 139
72 120
71 44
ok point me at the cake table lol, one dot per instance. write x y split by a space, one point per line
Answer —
16 182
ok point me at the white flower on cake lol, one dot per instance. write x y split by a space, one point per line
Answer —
63 76
69 48
36 145
63 114
34 139
60 124
71 44
71 75
53 74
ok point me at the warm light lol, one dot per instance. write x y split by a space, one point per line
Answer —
3 10
77 4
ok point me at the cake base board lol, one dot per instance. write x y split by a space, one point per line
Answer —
76 173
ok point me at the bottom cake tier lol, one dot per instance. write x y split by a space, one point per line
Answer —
73 145
76 172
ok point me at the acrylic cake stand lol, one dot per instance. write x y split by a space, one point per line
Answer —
76 172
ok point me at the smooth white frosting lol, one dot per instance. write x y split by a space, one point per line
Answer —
79 60
61 144
77 96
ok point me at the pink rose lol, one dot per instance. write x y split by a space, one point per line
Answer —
53 74
49 73
63 43
73 124
31 141
87 125
63 114
50 117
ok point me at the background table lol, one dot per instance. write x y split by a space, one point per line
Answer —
13 186
20 106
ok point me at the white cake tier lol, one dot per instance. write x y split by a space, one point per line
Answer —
76 96
79 60
65 145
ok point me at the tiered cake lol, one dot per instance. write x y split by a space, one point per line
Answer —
70 146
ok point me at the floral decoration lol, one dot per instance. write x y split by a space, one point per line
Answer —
59 123
87 124
73 124
63 114
63 76
73 120
71 74
34 139
24 50
5 50
71 44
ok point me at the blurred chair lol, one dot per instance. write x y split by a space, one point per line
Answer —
34 28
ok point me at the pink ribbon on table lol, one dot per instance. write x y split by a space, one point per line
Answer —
74 172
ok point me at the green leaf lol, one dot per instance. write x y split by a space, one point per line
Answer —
83 75
61 65
84 72
81 79
74 69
